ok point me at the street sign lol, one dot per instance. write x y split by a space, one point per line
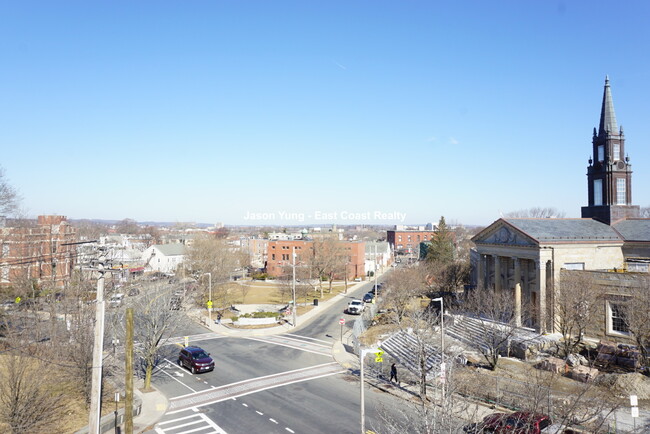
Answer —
18 300
342 321
209 303
378 357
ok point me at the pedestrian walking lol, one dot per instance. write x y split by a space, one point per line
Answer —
393 373
219 318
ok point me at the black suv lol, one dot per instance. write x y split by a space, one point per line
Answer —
195 359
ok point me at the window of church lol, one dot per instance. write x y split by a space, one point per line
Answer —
601 153
620 191
598 192
617 323
638 267
617 151
574 266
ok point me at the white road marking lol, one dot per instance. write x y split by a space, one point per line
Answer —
250 386
288 345
176 379
259 412
307 337
189 421
244 404
290 430
273 420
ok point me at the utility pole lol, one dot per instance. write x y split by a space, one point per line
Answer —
293 286
98 350
128 358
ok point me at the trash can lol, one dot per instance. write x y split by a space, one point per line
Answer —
315 302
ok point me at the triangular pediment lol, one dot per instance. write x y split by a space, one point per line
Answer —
500 232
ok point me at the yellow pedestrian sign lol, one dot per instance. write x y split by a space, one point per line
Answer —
378 356
18 300
209 303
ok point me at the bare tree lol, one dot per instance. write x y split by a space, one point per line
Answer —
644 212
491 323
536 213
636 311
402 287
9 197
28 402
78 352
208 254
324 260
154 322
577 303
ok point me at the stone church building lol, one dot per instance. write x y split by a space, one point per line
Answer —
528 256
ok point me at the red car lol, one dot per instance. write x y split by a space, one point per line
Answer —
521 422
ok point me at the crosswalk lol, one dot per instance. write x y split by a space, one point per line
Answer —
302 343
197 423
246 387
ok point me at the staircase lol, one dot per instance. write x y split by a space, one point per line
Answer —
404 347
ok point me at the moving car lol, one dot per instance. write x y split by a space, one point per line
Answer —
369 298
355 307
195 359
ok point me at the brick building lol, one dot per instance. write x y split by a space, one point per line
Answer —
406 240
279 256
40 251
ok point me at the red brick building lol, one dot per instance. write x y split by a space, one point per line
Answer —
279 256
406 240
38 251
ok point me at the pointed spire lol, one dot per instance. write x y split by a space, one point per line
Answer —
607 115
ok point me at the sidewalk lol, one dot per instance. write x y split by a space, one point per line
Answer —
154 405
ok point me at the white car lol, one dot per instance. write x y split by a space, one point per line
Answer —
356 307
116 300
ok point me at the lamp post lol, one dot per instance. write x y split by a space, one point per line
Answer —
442 345
362 354
117 399
209 297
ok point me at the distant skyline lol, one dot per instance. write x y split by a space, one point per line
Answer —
294 112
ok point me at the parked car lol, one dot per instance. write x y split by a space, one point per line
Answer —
369 298
520 422
116 300
355 307
195 359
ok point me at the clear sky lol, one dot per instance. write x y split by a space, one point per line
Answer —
209 111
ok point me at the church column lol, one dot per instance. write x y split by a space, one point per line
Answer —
481 272
541 295
517 292
497 273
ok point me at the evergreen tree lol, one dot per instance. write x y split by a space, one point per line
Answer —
441 250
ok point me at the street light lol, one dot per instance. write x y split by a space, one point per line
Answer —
209 297
362 354
442 344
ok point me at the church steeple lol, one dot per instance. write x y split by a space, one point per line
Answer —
607 115
609 174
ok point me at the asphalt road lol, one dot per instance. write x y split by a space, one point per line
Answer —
272 384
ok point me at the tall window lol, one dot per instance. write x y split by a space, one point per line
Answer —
617 320
617 151
620 191
601 153
598 192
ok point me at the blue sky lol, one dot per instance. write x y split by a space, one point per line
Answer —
207 111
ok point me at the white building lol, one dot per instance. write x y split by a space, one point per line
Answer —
164 258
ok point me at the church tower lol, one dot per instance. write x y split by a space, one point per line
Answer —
609 174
